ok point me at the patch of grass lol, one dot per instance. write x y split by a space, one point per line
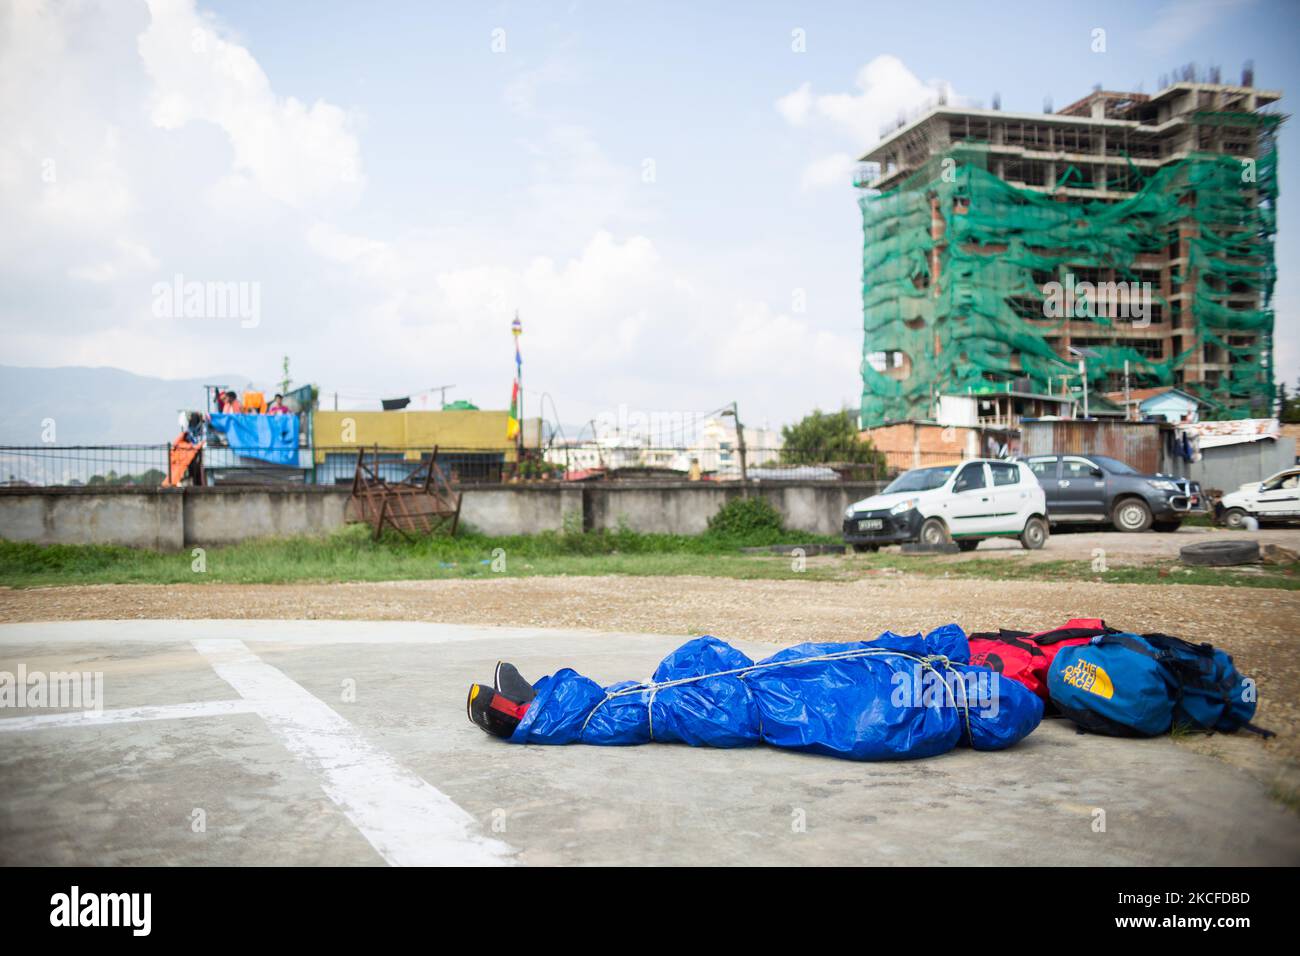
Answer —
1286 795
351 555
1020 570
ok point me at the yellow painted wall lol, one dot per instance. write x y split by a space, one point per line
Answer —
415 430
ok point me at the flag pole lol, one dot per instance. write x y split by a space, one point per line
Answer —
516 329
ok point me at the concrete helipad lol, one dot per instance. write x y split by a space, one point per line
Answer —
335 742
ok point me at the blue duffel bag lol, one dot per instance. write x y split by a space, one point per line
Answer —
1131 685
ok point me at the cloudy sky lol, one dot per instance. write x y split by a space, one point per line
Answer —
662 191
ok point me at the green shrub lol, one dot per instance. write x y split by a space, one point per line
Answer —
745 518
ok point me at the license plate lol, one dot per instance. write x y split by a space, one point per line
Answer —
870 524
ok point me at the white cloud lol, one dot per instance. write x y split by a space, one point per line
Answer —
832 170
143 141
295 153
796 105
885 88
128 258
521 93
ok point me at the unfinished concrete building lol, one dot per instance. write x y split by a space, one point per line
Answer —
1131 231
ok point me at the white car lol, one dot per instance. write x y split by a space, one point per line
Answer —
965 503
1276 498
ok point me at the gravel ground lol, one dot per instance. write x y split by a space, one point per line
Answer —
1080 543
1257 626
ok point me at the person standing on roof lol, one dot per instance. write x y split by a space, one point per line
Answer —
232 406
277 406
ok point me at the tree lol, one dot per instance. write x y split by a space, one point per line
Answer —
1288 405
824 437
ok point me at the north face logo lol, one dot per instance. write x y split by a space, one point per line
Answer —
1088 676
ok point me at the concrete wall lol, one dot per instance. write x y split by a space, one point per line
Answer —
139 518
685 507
1227 467
224 515
521 509
169 519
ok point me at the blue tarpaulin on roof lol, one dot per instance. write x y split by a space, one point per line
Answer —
272 438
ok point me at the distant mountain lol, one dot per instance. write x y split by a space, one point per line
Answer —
97 406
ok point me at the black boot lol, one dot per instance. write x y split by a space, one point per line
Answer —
496 713
510 682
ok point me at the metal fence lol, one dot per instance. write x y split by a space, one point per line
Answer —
336 465
146 465
99 465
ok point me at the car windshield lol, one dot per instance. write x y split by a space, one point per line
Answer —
919 479
1114 465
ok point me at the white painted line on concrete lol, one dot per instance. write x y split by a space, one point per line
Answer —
408 821
306 633
90 718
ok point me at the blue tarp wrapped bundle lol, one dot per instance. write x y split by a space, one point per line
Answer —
272 438
893 698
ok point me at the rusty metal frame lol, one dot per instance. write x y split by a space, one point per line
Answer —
421 503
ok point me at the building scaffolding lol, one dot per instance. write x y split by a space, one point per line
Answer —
996 246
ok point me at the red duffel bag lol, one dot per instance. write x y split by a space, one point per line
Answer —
1027 657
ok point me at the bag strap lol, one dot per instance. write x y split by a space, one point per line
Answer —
1014 638
1185 673
1128 641
1202 677
1168 641
1067 633
1264 734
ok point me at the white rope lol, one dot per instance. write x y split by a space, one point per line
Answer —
927 663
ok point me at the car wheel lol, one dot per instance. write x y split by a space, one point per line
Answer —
1234 518
1132 514
934 534
1166 526
1035 534
866 548
967 544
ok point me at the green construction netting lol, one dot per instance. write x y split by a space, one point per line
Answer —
983 321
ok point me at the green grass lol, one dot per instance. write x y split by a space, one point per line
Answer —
351 555
1286 795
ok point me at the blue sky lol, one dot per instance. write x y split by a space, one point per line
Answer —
661 190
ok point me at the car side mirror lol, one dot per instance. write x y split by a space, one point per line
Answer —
1098 473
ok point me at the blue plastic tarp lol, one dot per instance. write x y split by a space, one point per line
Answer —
272 438
896 697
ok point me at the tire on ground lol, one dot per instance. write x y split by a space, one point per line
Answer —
1034 535
1220 554
1132 514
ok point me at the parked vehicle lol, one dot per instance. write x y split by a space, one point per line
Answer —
1099 489
1276 498
965 503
